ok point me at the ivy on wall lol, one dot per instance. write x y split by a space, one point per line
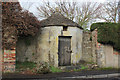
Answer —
108 33
16 22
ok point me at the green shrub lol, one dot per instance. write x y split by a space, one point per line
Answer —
83 67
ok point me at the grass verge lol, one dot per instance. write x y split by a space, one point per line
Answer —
55 69
25 65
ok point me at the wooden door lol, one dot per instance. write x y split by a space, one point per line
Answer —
64 50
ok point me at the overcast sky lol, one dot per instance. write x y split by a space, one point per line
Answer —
66 0
35 3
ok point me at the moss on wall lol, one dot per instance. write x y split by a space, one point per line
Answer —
108 33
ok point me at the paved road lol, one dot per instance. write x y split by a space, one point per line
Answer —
85 75
68 79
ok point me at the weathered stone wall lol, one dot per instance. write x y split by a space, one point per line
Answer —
94 46
76 45
107 56
45 45
26 49
87 46
104 55
116 56
100 55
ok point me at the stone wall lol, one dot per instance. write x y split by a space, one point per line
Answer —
76 45
87 47
102 55
44 46
94 46
105 55
26 49
116 56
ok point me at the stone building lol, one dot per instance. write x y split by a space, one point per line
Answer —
58 42
62 42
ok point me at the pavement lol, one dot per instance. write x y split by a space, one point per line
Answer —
81 75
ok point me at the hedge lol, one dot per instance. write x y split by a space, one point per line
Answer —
108 33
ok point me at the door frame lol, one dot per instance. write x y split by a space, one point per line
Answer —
59 47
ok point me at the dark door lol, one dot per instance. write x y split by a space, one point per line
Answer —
64 50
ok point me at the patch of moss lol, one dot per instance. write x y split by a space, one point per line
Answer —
25 65
33 54
27 41
55 69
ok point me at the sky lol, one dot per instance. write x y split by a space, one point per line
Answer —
35 3
67 0
31 5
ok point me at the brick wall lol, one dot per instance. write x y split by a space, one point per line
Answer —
9 60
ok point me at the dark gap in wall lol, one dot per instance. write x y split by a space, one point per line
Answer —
65 28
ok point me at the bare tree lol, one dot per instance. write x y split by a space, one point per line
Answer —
119 11
88 12
110 11
82 13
